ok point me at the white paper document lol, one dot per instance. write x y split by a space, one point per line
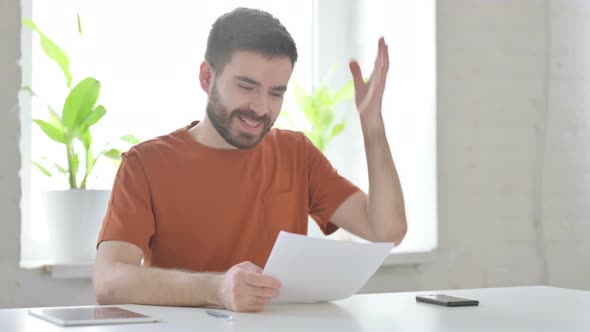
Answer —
318 270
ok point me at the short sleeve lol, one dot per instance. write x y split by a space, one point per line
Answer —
327 189
129 215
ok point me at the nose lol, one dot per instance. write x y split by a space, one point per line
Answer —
260 105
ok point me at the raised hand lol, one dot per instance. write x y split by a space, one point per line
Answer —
369 95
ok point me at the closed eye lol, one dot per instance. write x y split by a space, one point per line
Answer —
245 87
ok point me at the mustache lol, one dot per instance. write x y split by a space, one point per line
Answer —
250 114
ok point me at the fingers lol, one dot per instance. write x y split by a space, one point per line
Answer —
379 58
382 53
256 304
250 267
357 75
263 292
245 288
261 280
380 69
381 65
386 57
257 301
260 285
254 276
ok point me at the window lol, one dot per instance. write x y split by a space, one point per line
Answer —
147 54
409 106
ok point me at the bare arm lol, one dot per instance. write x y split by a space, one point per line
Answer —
379 216
119 278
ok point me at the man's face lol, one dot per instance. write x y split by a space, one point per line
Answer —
246 99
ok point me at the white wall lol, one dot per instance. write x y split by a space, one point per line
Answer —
513 151
513 147
566 185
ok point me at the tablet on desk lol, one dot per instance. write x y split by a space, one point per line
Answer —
90 315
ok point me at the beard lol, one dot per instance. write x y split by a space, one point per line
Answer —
222 119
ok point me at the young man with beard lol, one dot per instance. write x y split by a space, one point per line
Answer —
203 205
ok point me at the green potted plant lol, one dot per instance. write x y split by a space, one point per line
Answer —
73 216
320 111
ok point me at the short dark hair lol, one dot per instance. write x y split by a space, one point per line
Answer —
250 30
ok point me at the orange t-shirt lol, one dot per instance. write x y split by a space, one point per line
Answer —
188 206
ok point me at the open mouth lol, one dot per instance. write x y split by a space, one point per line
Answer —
250 123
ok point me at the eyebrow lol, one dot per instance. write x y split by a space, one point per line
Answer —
251 81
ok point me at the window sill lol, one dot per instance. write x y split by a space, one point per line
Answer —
70 271
74 270
409 258
83 270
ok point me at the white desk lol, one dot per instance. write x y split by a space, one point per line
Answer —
534 309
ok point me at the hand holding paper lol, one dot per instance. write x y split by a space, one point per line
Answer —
318 270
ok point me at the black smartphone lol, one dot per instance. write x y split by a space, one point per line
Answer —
446 300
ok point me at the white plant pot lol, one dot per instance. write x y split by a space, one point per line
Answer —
74 218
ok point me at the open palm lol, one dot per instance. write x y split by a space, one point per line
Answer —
369 95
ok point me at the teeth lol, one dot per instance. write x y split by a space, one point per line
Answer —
249 123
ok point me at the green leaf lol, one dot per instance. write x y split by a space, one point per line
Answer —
323 97
42 169
51 131
60 169
319 142
75 162
80 103
337 129
94 116
321 145
325 119
305 103
86 139
316 139
80 31
320 109
52 51
131 139
113 154
56 165
90 161
345 93
75 166
94 162
28 89
54 118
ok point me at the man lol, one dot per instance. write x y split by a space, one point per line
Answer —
203 205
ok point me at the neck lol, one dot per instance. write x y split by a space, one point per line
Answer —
204 133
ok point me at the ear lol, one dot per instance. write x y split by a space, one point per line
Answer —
206 76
